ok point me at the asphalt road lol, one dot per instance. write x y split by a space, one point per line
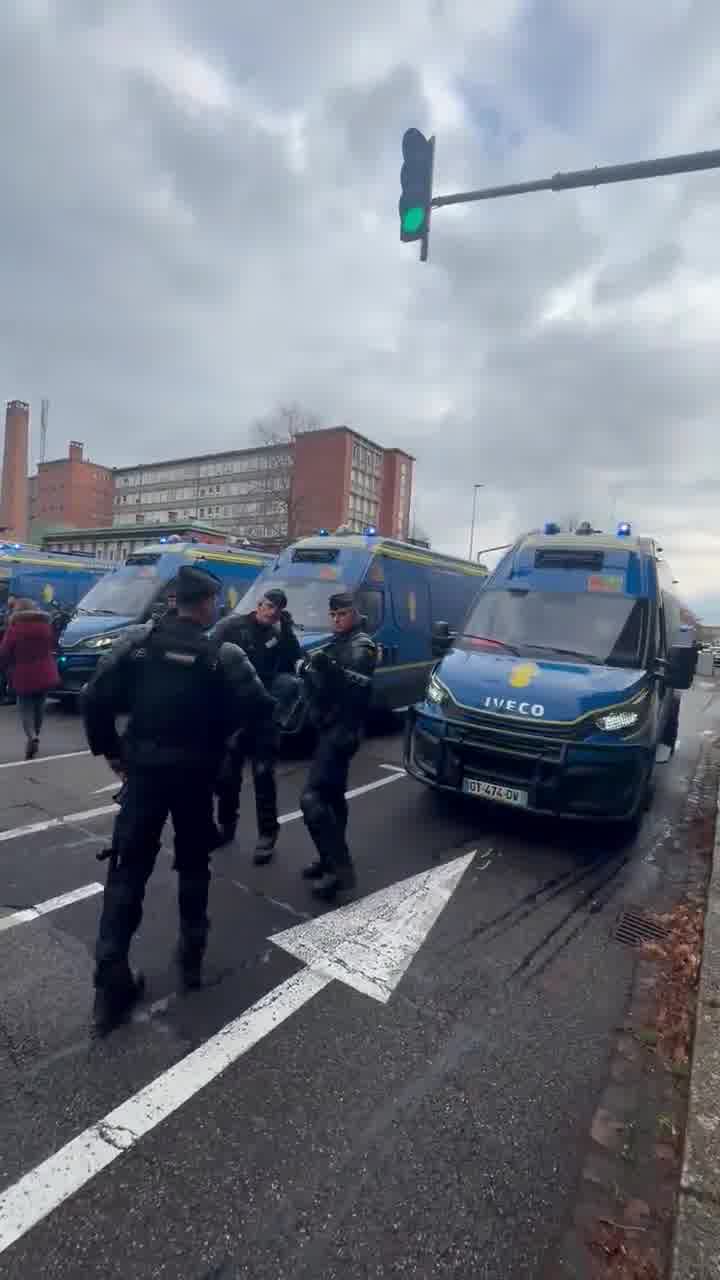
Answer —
438 1134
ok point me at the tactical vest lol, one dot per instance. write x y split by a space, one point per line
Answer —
178 700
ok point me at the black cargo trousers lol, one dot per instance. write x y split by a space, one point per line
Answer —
322 802
260 745
261 751
150 796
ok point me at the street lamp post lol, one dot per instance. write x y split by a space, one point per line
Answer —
472 526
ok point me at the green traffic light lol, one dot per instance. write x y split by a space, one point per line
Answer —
413 219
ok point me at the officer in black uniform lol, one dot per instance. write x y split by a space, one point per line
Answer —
267 637
338 686
184 694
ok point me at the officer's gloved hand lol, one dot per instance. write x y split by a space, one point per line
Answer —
320 660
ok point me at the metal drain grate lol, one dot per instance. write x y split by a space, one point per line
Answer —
634 928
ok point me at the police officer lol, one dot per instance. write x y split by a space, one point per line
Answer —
338 686
267 637
184 694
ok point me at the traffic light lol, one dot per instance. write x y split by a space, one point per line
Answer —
416 178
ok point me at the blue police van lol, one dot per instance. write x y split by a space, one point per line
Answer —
47 577
400 588
138 591
562 682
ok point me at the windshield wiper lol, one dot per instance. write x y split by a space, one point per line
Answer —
566 653
501 644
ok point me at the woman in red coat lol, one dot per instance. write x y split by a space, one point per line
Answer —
27 653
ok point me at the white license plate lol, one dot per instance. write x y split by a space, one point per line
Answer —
495 791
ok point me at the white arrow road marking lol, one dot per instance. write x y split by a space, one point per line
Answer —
368 945
52 904
48 824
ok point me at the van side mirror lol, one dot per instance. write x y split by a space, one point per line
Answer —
442 639
680 666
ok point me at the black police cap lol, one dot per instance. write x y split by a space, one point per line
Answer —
341 600
276 597
195 584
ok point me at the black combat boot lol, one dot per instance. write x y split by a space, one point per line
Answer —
115 999
315 871
265 848
224 836
189 957
339 879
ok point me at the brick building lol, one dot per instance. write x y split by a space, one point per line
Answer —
70 492
274 493
116 543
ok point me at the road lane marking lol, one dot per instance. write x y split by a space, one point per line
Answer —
393 768
51 824
368 945
65 755
349 795
64 1173
69 819
52 904
111 786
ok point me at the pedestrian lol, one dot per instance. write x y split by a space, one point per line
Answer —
266 635
338 688
183 694
27 654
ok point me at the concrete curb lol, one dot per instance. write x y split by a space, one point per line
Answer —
696 1246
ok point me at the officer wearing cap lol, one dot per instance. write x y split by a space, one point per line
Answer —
338 687
184 694
267 637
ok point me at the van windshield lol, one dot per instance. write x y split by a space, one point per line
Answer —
308 599
607 629
125 593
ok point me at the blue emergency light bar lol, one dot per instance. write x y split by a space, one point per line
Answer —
552 527
624 530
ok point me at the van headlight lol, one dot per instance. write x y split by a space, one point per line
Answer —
615 720
623 717
101 642
436 691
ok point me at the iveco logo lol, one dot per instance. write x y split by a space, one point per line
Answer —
535 709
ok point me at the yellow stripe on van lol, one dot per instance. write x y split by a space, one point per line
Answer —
226 558
457 566
58 564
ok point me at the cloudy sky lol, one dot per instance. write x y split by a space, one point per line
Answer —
199 220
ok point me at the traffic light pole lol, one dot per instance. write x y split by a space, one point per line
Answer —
426 237
689 163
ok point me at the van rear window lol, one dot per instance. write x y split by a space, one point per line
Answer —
315 555
568 558
147 557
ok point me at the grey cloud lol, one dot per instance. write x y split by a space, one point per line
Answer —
171 270
627 280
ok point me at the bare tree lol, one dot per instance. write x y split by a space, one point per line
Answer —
285 424
279 504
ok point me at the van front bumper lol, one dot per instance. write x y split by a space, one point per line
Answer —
562 777
75 670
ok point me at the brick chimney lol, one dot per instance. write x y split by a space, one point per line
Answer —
76 451
14 502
